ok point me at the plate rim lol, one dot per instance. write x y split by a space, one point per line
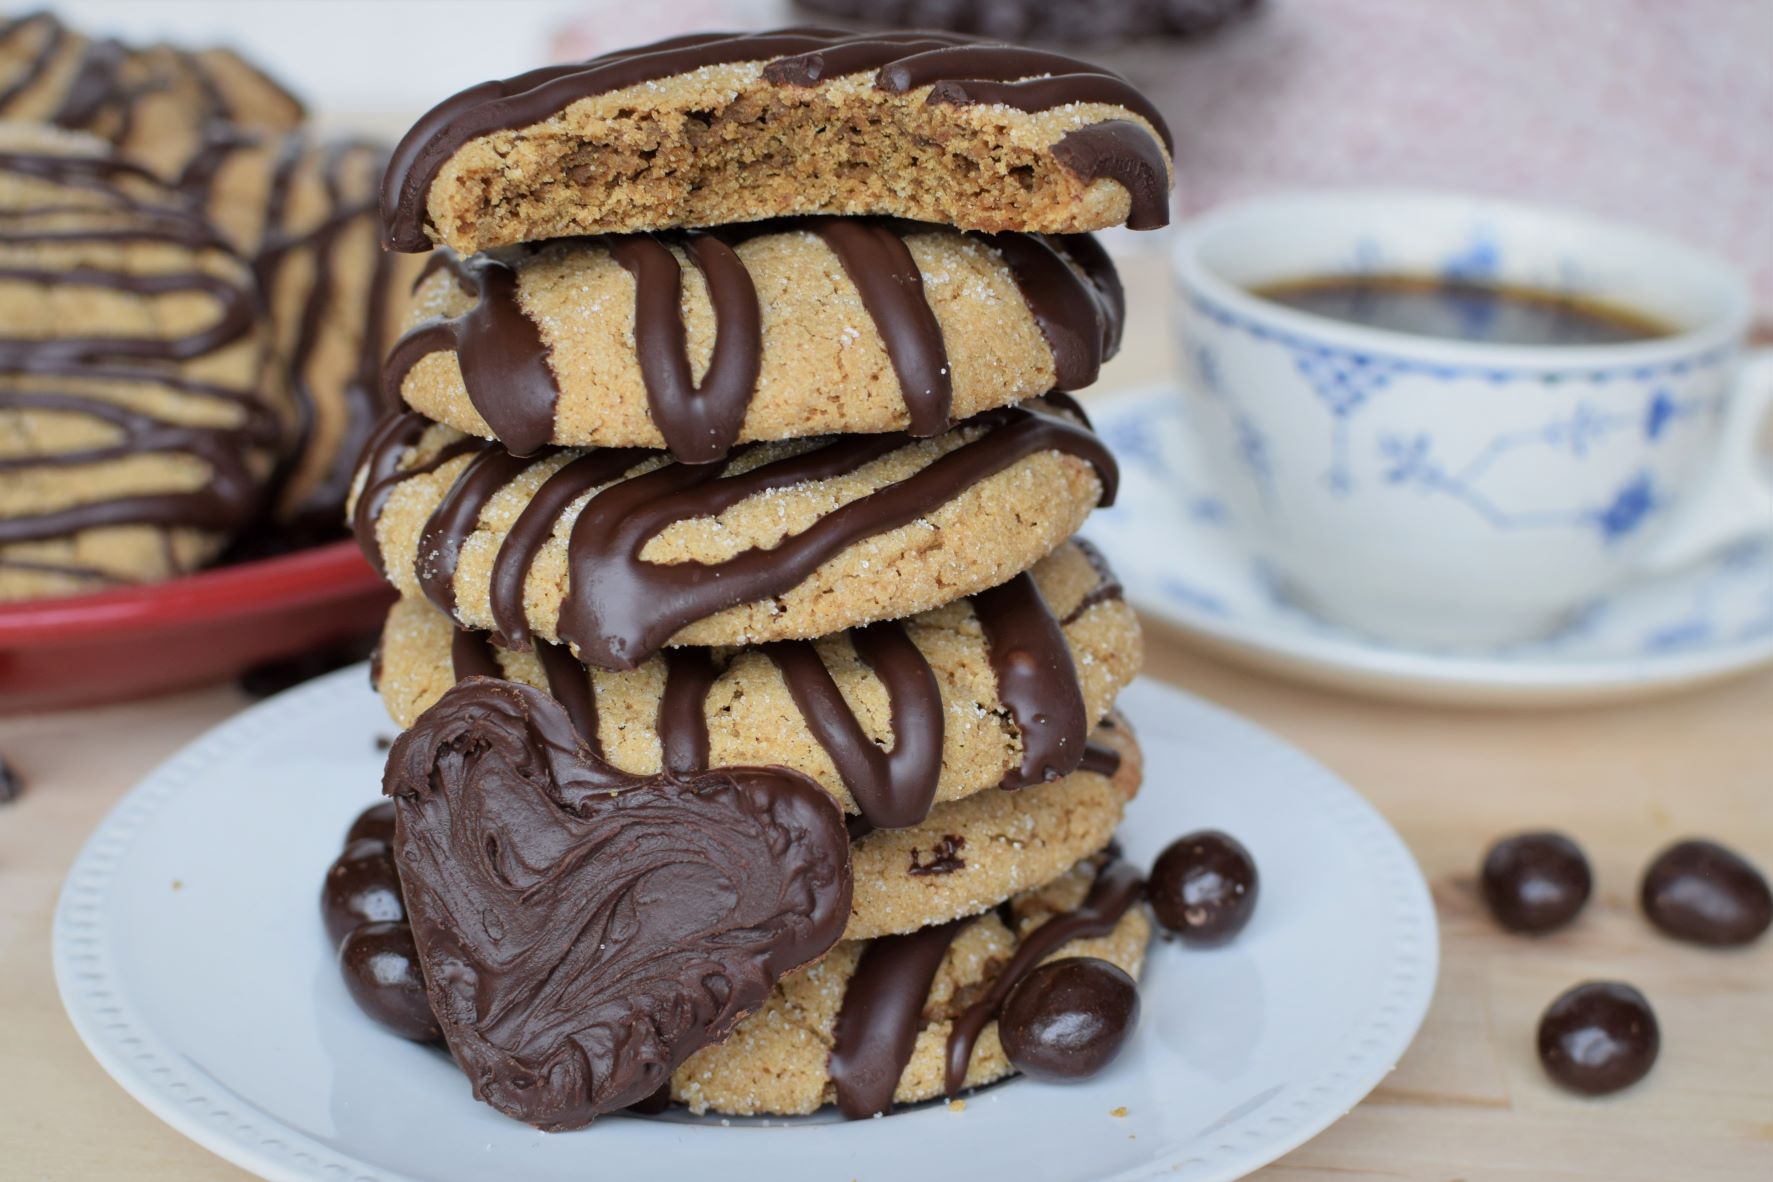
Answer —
1344 660
176 1090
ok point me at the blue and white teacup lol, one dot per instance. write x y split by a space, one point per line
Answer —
1453 493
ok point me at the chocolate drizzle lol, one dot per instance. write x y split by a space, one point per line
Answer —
877 1024
1067 282
1121 151
620 608
503 358
699 423
1036 680
878 262
1111 896
583 931
382 474
275 246
1107 588
69 374
883 1004
959 70
893 788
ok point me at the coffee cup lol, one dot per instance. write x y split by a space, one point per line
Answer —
1455 493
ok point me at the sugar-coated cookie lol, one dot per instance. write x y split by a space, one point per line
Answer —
792 1056
715 128
770 330
618 552
889 719
136 425
303 209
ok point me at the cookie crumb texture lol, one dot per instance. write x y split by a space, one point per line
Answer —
823 363
726 142
136 427
753 718
776 1062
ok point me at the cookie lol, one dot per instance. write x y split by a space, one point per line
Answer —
1066 22
773 330
930 1026
153 103
717 128
136 429
618 552
889 719
303 209
969 855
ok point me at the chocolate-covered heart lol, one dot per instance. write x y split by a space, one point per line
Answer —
583 930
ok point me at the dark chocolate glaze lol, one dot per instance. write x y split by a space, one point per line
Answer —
535 524
1099 758
877 1024
699 423
1706 893
1121 151
1112 895
878 262
454 519
1599 1037
1036 680
683 726
960 70
583 931
892 788
102 93
382 474
1068 1018
1067 281
503 358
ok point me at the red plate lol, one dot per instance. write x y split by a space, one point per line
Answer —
204 627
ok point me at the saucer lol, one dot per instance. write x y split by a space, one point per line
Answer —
1173 543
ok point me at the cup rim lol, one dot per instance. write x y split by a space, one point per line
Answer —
1190 269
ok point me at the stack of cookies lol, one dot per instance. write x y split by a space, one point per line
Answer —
197 311
758 702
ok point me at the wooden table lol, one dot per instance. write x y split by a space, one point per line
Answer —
1467 1104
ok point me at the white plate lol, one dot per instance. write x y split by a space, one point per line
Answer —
1174 546
189 955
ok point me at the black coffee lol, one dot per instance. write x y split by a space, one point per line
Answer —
1462 311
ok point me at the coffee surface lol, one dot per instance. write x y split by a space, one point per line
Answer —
1500 315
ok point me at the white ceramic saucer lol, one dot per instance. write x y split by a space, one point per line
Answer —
189 955
1174 545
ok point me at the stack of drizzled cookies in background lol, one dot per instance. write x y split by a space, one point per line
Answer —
757 701
196 310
